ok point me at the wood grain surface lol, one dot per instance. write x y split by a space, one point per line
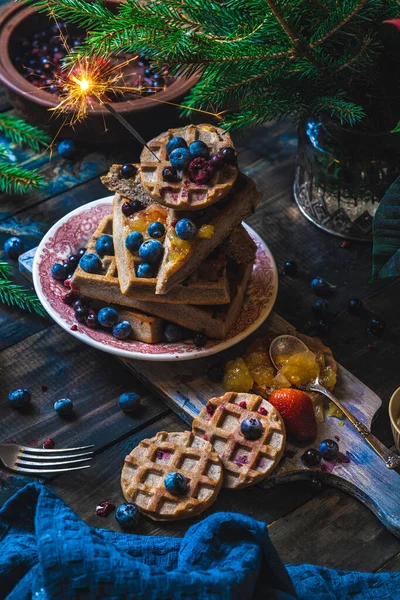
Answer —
332 528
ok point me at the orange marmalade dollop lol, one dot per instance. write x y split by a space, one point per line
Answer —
140 220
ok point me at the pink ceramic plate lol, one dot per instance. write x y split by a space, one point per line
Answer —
72 233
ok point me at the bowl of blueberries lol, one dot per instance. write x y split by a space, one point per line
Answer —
32 55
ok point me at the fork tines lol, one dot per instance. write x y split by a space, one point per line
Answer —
36 460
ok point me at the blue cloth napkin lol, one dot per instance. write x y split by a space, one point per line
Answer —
48 553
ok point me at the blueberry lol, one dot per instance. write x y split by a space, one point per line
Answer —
91 319
59 272
217 161
316 485
105 246
149 73
176 484
156 230
311 457
81 314
323 326
129 208
145 271
72 263
64 407
200 339
216 371
122 330
252 428
355 306
174 143
70 298
81 252
19 398
91 263
127 171
329 449
66 148
290 268
13 247
170 174
321 287
229 155
376 327
129 402
128 515
185 229
133 241
151 251
107 317
173 333
180 158
320 307
199 149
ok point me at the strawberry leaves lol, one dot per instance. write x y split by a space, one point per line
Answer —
386 235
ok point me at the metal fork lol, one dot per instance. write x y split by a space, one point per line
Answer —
34 460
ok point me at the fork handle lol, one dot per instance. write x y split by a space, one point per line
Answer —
391 459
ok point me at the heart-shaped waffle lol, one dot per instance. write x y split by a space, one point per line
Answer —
145 468
245 461
186 194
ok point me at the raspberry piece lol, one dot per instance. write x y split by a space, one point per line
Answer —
49 444
200 170
243 404
263 411
103 509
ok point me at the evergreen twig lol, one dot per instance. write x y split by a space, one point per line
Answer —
22 133
15 179
16 295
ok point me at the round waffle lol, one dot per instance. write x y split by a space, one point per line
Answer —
145 468
245 461
184 194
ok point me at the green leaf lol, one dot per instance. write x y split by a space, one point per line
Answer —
386 234
396 129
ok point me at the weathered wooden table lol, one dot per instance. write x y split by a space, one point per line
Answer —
331 528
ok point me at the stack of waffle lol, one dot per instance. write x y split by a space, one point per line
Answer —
199 284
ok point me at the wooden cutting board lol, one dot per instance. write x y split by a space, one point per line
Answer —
185 388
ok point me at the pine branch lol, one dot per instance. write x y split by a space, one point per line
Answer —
22 133
16 295
17 180
5 269
3 151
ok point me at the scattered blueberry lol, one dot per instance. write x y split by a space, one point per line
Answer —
216 371
19 398
105 246
173 333
148 72
329 449
290 268
320 307
129 208
170 174
145 271
321 287
176 484
81 252
217 161
72 263
199 149
81 314
156 230
128 170
122 330
323 326
200 339
70 298
180 158
229 155
134 240
64 407
91 319
13 247
66 149
311 457
129 402
251 428
355 306
151 251
59 272
185 229
128 515
91 263
107 317
316 485
376 326
174 143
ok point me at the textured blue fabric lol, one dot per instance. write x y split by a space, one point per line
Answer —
48 553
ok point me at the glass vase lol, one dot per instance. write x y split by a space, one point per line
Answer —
341 176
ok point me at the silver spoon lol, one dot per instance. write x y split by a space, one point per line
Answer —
289 344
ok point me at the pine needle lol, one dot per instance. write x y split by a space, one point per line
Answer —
22 133
16 295
5 269
17 180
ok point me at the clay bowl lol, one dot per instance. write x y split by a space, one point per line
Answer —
33 104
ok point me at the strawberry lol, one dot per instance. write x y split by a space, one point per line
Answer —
297 412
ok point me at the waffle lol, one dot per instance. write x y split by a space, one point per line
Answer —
131 189
245 461
144 470
145 328
180 260
209 288
106 285
184 194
